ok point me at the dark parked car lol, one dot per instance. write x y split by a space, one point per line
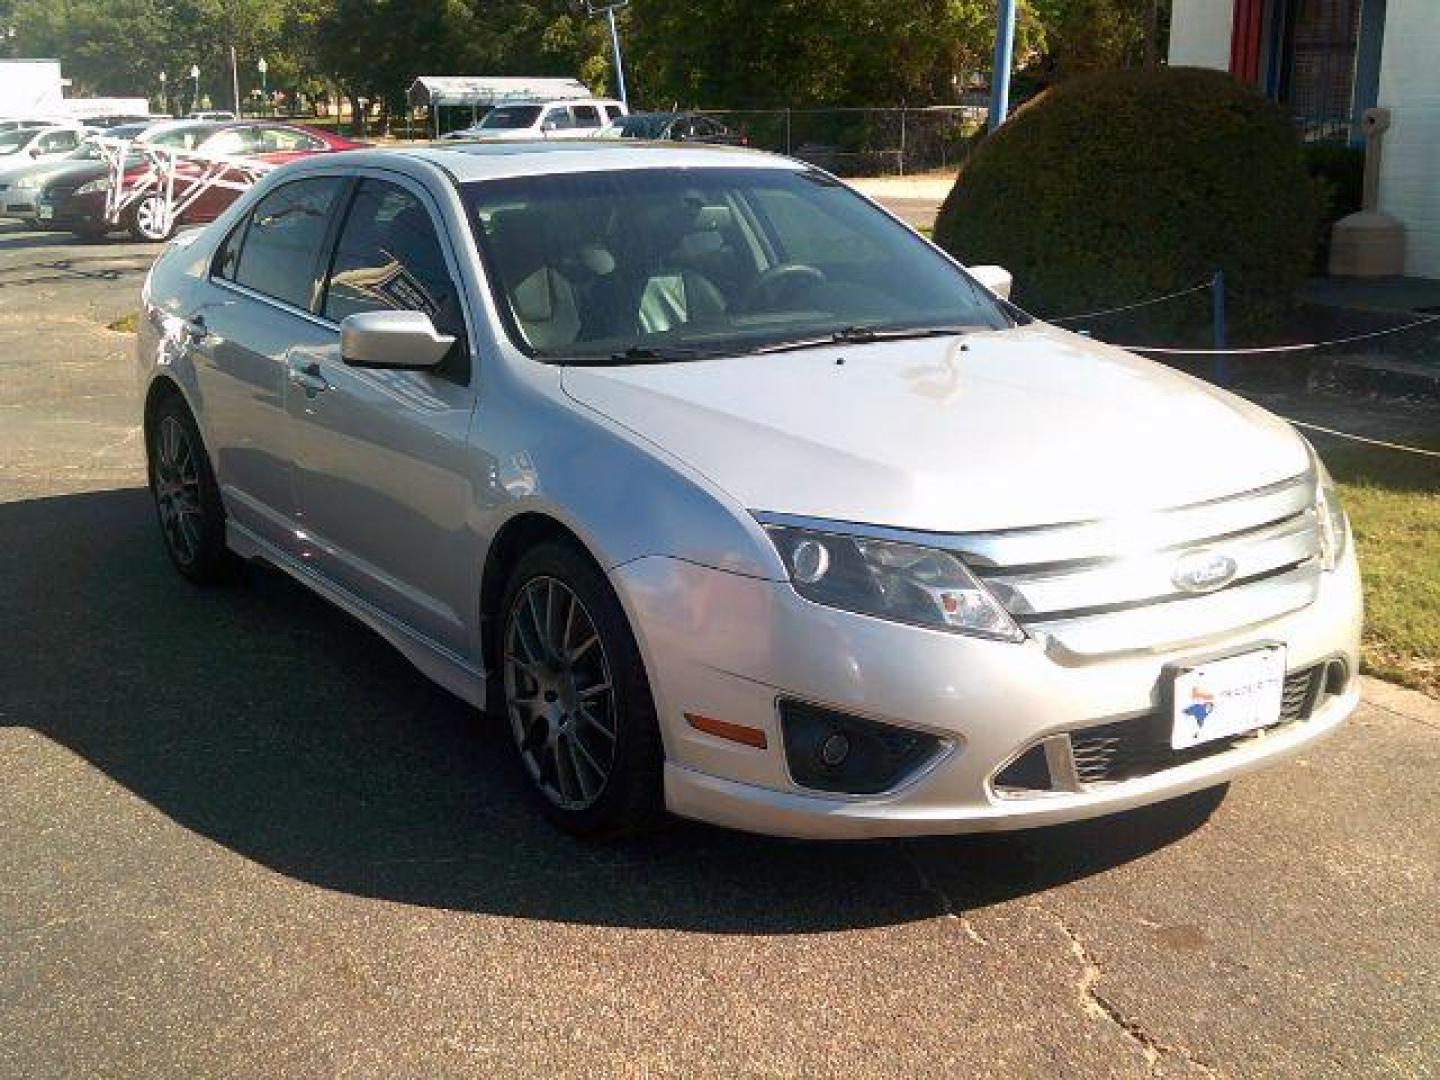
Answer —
672 127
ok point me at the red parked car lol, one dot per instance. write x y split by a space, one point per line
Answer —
83 209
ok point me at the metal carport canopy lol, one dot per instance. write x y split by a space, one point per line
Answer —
474 90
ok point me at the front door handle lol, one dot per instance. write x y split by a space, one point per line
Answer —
306 375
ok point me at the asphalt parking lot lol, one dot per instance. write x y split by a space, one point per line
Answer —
239 835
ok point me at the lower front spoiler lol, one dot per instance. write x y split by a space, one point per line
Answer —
736 805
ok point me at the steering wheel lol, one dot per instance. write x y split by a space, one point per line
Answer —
766 290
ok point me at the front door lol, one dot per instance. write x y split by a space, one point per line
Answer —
382 471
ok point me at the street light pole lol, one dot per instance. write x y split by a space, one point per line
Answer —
164 98
235 81
1000 73
195 98
589 7
264 94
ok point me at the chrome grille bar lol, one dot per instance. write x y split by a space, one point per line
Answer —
1142 578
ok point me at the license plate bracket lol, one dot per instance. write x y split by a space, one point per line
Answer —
1226 696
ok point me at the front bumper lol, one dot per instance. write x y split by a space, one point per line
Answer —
17 202
71 211
720 645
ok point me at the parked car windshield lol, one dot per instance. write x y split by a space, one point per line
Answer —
643 125
11 142
510 117
656 264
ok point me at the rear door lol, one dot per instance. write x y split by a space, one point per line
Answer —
382 475
255 313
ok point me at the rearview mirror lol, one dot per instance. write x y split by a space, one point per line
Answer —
405 340
995 278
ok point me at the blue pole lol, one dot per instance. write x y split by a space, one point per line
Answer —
1000 75
1217 295
619 64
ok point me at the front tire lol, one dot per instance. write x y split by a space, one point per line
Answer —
187 498
151 221
576 698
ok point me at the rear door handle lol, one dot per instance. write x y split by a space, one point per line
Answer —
306 375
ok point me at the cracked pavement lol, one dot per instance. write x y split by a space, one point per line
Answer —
240 836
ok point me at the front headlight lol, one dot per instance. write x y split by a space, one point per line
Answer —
901 582
1334 525
94 186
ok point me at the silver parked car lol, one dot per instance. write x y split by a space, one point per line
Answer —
731 494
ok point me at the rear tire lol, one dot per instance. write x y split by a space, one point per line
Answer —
575 697
150 220
187 498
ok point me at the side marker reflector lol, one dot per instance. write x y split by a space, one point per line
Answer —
723 729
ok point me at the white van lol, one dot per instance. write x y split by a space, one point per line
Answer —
573 118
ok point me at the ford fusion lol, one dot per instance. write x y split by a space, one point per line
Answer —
728 494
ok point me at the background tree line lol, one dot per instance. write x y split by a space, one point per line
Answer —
704 53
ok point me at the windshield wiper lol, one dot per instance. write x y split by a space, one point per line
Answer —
864 335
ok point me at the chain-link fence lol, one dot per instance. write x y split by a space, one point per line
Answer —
862 141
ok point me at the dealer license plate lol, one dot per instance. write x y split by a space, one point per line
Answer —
1224 698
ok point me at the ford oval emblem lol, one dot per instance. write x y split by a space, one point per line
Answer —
1203 571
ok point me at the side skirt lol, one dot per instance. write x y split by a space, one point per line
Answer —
449 669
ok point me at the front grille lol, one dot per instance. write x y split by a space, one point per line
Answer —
1139 746
1101 588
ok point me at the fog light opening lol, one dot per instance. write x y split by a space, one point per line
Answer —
1337 675
828 750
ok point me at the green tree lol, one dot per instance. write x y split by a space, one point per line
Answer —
1097 35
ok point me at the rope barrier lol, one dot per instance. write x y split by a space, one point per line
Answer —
1363 439
1201 287
1306 346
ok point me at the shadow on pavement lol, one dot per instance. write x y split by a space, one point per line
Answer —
264 719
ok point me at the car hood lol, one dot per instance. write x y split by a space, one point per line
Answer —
71 171
1006 429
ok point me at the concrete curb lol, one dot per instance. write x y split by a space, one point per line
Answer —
1410 704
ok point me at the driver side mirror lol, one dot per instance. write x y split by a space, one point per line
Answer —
995 278
392 340
548 126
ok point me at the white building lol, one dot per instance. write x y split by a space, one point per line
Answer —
31 87
1328 61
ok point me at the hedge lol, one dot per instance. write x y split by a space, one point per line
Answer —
1115 187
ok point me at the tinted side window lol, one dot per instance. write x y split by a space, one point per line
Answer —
388 256
58 141
559 117
284 236
287 140
586 116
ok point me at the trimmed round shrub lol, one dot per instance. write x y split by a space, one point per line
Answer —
1119 186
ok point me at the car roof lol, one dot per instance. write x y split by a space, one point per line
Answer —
539 157
181 125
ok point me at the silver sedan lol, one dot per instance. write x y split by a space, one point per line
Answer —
727 493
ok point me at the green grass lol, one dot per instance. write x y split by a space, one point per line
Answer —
126 324
1393 500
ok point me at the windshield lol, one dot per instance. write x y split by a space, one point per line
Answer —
509 117
676 263
181 138
644 126
12 141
